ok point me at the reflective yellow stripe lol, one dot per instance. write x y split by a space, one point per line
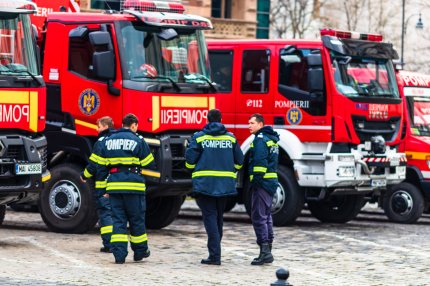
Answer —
270 176
251 177
210 137
46 177
97 159
106 229
190 166
214 174
124 161
119 238
125 186
238 167
147 160
271 143
252 145
100 184
139 239
259 169
87 174
150 173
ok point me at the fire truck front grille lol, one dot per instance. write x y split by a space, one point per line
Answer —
15 152
178 161
6 169
366 129
44 157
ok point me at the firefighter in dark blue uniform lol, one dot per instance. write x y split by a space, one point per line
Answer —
214 156
123 155
263 164
104 128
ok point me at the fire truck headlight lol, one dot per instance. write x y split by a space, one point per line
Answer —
346 158
401 170
346 171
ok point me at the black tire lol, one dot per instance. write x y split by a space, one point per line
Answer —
67 204
162 211
230 204
2 213
337 209
287 202
403 203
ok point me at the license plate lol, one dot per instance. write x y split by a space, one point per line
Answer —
28 169
394 162
379 183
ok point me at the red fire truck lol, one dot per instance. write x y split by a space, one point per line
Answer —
338 134
23 150
406 202
96 64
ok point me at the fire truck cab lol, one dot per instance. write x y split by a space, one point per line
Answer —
150 60
406 202
339 132
23 150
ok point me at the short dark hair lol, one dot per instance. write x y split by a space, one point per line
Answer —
129 119
214 115
258 117
105 121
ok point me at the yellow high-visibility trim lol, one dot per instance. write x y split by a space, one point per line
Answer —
259 169
106 229
417 155
152 141
211 102
252 145
270 176
119 238
271 143
147 160
98 160
46 177
155 112
213 173
123 161
125 186
210 137
34 106
14 97
190 166
139 239
101 184
238 167
184 101
85 124
150 173
87 174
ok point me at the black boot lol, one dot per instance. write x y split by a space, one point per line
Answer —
265 255
270 246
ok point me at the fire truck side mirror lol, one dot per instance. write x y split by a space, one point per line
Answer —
104 65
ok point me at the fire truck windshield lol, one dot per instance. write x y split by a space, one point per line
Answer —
147 56
17 49
363 77
418 102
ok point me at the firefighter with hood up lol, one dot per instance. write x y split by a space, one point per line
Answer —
124 155
214 156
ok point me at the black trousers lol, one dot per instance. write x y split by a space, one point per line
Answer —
212 211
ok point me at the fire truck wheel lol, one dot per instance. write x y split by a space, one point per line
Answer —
403 203
162 211
2 213
337 209
288 200
67 204
230 204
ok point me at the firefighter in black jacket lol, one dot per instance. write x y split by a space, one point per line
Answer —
124 154
263 165
215 156
104 128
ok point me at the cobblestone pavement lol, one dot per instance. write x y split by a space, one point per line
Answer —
366 251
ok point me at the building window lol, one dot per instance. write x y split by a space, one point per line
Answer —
255 71
106 4
221 9
263 19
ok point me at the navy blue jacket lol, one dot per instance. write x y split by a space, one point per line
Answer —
214 156
123 155
263 160
93 169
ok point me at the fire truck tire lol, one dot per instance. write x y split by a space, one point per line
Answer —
403 203
2 213
287 202
230 204
337 209
67 204
162 211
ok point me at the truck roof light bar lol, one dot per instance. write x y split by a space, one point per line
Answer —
351 35
153 6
